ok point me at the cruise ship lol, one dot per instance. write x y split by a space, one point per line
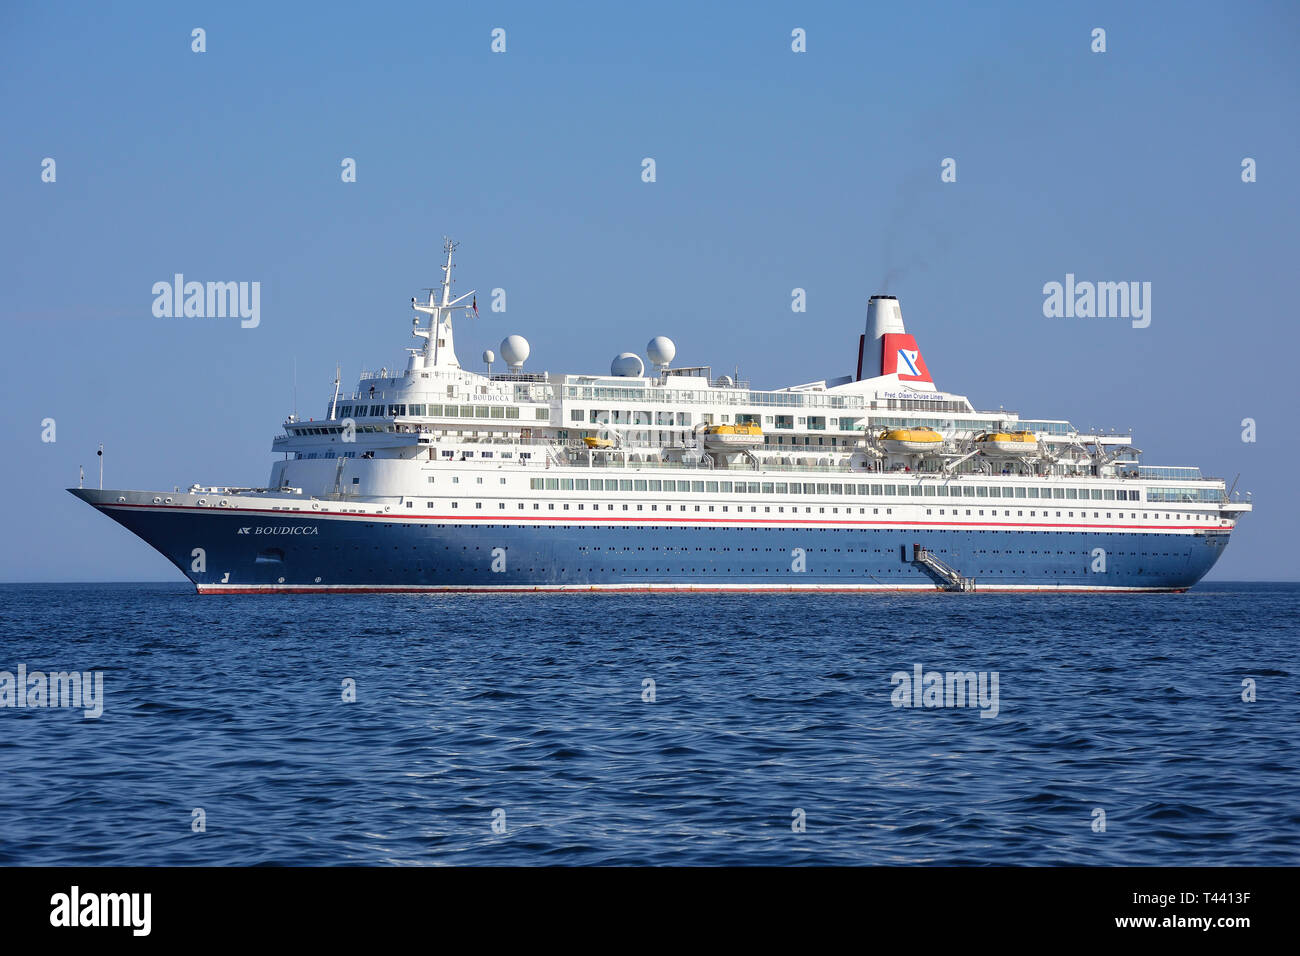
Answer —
664 477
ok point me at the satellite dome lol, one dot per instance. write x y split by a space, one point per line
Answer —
628 365
660 351
489 356
515 349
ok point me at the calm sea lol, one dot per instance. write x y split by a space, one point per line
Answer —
1118 733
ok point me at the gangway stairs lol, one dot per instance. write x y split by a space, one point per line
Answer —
952 578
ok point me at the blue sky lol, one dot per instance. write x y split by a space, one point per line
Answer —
775 170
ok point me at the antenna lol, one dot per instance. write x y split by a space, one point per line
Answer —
440 312
100 453
338 378
448 246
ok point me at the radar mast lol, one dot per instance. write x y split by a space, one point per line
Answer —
439 348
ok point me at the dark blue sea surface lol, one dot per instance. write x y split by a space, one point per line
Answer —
764 705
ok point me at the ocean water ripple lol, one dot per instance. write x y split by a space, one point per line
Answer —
767 711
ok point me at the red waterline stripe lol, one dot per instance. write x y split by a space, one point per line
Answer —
543 519
664 589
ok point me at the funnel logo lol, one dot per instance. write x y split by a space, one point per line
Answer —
899 355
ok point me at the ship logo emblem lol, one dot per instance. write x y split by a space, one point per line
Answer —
245 530
899 355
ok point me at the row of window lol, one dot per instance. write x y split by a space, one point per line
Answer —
338 429
794 509
646 416
670 550
474 573
634 418
437 411
1082 514
716 396
924 405
1184 494
832 488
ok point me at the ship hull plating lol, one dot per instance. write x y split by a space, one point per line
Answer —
261 551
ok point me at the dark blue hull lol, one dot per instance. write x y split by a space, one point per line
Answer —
240 551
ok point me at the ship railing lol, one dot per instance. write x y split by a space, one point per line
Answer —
545 391
231 490
343 496
541 377
802 451
617 461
